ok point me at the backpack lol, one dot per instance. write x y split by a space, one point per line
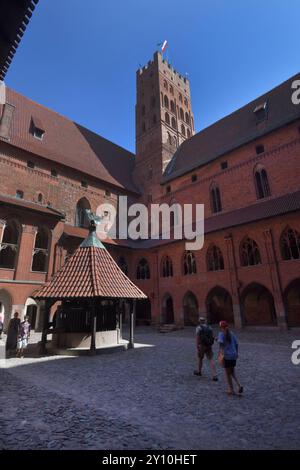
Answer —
206 335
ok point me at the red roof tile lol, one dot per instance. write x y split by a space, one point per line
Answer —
235 130
13 201
67 143
90 272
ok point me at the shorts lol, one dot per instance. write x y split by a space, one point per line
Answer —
22 343
205 351
229 363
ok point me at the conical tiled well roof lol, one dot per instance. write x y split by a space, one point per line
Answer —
90 272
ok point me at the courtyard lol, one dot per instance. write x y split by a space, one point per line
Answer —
148 397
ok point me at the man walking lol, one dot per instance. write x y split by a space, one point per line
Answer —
204 342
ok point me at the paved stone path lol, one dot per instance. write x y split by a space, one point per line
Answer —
148 398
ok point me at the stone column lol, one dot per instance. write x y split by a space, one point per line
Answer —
275 279
234 282
26 246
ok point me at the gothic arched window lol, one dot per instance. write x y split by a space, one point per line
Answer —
171 90
81 219
167 118
215 260
9 246
261 182
189 263
143 270
122 263
167 267
188 133
290 244
187 118
174 123
172 104
215 198
166 102
40 252
181 113
250 255
182 129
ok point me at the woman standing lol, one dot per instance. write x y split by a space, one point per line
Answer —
229 354
12 334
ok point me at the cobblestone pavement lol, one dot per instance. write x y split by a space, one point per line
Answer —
148 398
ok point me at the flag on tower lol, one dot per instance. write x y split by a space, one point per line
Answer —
164 46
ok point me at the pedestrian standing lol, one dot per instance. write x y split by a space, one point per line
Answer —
1 323
204 343
228 355
12 334
23 337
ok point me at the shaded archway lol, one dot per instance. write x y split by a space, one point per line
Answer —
32 310
190 309
258 306
219 305
292 303
5 307
143 312
167 314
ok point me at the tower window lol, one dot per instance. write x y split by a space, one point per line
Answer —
182 129
107 193
261 112
166 102
194 178
261 182
180 97
224 165
172 104
188 133
84 184
181 113
30 164
168 189
171 90
167 118
215 196
53 172
259 149
19 194
174 123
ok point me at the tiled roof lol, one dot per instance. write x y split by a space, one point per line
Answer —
14 18
67 143
32 206
90 272
235 130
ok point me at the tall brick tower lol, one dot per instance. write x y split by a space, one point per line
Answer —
164 119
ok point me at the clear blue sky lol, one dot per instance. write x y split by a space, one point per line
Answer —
79 57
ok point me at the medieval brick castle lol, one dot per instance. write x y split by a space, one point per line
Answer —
245 168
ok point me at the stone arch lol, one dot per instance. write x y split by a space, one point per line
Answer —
9 244
219 305
190 309
32 310
291 298
258 306
80 215
5 307
167 313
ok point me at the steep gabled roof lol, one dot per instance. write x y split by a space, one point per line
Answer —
67 143
234 130
14 19
90 272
